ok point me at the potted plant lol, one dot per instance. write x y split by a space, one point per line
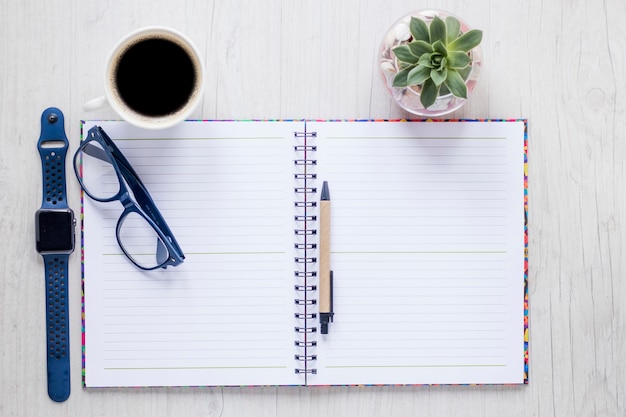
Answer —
430 62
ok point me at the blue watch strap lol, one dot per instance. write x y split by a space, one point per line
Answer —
57 327
52 146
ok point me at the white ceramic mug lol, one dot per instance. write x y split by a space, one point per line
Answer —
154 78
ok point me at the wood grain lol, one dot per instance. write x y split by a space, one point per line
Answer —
559 64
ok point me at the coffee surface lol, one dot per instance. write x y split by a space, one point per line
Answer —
155 77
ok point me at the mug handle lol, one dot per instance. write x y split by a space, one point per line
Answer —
96 104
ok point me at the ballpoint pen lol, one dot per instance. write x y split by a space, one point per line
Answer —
326 275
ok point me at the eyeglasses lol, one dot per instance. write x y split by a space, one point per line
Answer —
106 175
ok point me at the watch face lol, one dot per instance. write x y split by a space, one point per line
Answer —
55 230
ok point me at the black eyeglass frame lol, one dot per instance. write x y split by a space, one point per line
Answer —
144 204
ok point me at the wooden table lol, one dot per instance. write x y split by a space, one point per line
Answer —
559 64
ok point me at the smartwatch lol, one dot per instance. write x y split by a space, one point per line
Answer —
54 228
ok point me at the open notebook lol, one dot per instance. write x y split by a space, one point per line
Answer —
428 253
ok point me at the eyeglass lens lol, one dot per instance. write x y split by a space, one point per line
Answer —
139 240
101 182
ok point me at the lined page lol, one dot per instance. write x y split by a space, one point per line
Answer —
427 252
225 316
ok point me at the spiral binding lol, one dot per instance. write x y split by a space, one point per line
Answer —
300 343
305 302
306 190
305 176
305 260
305 287
305 329
305 218
305 245
305 162
305 232
305 358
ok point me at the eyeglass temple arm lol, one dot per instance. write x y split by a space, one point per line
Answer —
116 153
99 153
146 202
96 152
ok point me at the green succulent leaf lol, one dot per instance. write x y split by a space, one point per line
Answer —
418 75
400 80
455 84
403 65
419 30
466 41
425 60
437 61
465 72
444 90
440 48
437 30
403 53
429 93
458 59
419 48
438 76
453 28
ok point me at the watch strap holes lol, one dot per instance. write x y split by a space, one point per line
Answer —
56 300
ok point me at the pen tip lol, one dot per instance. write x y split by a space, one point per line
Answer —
325 191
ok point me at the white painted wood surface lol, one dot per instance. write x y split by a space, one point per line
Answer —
561 64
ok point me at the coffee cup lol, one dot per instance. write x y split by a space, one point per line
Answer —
154 78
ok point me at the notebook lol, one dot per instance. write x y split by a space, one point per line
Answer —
428 252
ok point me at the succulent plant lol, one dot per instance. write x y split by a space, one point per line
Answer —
437 58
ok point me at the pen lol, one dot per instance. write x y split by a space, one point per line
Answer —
326 275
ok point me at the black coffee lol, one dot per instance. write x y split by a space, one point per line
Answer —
155 77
